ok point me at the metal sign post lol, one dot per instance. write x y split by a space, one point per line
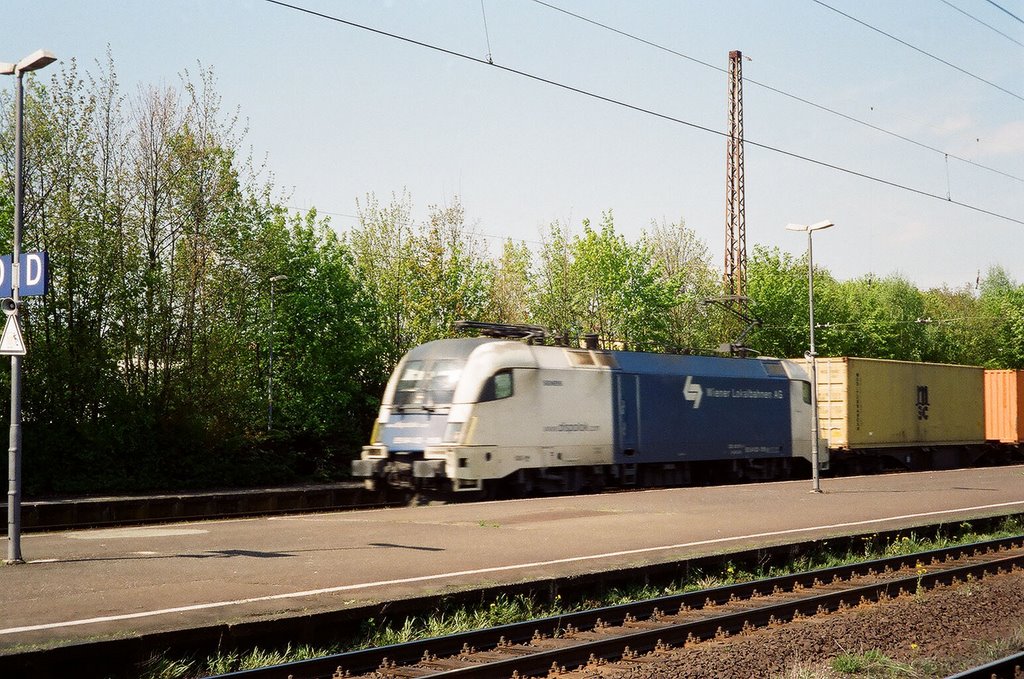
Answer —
14 451
32 62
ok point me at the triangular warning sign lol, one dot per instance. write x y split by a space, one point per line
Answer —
12 343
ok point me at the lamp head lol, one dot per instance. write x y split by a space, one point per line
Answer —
813 227
35 61
6 69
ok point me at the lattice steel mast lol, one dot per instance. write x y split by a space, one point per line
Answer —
735 212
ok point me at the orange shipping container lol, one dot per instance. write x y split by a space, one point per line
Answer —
1004 405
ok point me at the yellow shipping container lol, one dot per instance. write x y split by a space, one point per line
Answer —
871 403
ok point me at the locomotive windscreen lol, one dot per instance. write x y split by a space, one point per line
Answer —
428 384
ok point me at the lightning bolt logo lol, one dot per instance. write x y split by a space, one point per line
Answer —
692 392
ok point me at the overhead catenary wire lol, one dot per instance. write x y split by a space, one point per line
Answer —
918 49
640 109
778 91
487 33
1000 7
985 24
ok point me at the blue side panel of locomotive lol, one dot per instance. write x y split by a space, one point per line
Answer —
690 408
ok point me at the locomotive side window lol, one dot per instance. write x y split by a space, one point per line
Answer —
807 392
497 387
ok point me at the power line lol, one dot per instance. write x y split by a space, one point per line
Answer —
986 25
919 50
779 91
640 109
487 33
1000 7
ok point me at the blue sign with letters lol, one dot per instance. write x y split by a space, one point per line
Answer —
34 278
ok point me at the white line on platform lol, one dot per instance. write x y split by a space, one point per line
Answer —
481 571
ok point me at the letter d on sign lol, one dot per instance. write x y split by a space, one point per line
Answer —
33 269
33 278
33 274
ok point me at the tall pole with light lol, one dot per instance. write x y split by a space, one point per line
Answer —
812 355
32 62
270 362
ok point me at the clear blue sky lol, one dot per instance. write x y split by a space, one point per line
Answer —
340 112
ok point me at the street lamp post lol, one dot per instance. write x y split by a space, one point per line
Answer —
32 62
270 362
812 355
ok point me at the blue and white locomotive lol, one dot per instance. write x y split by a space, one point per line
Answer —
492 415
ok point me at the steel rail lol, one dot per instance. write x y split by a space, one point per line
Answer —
367 660
1005 668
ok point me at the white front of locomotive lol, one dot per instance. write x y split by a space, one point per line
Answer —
519 407
415 411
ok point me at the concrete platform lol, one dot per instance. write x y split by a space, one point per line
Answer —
86 512
107 583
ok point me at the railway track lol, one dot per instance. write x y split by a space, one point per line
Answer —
625 632
1010 667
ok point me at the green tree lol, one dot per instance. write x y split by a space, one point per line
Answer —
327 375
884 319
384 250
1002 300
684 262
450 275
509 298
777 287
955 331
600 283
557 301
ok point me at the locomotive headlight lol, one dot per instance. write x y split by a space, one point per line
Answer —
453 432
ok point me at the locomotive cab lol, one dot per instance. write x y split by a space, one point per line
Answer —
430 400
414 411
